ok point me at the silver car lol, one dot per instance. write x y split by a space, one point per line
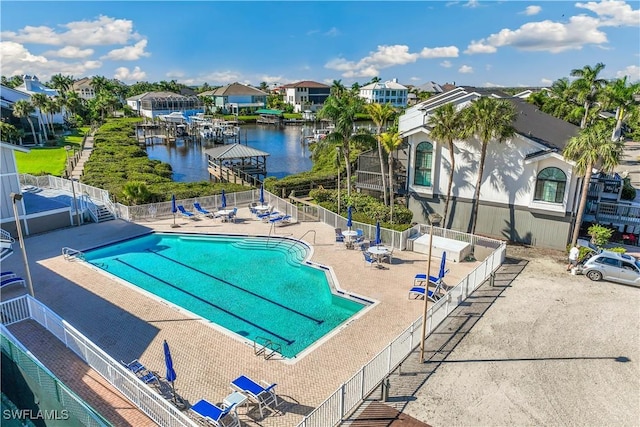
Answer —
621 268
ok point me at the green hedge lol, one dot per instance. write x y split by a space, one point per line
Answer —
117 159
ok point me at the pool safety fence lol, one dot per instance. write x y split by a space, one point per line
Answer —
213 203
154 405
55 397
352 393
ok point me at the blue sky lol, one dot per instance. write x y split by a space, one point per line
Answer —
479 43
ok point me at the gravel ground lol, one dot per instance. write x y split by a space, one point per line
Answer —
554 349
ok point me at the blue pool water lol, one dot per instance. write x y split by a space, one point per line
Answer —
255 287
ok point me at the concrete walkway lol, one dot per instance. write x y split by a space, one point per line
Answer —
87 149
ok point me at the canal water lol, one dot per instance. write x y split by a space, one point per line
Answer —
288 152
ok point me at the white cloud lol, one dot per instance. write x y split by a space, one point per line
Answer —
532 10
384 57
554 37
173 75
465 69
490 84
125 75
100 32
439 52
18 60
220 77
632 71
70 52
472 4
546 82
128 53
613 12
333 32
415 79
446 64
272 79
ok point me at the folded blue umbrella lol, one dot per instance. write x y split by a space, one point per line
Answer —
224 200
349 221
262 194
378 239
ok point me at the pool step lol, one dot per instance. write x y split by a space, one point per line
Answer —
295 253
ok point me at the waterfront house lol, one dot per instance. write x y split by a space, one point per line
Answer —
306 95
84 88
153 104
236 97
8 97
530 192
389 92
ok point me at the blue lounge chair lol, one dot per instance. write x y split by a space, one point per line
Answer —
141 371
369 260
420 292
262 394
185 213
7 275
280 219
13 281
215 415
201 210
339 236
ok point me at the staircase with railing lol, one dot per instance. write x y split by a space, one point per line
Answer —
6 244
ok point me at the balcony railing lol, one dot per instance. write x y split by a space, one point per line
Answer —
373 181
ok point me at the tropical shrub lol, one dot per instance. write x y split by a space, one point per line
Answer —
600 235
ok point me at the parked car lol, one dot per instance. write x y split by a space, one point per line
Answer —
621 268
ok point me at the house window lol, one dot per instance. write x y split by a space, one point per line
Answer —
424 161
550 185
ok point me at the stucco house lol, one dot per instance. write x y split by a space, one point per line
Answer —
8 97
530 192
389 92
306 95
153 104
233 98
84 89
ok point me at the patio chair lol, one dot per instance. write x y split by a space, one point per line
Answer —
339 236
419 292
7 275
216 415
369 260
12 281
388 256
201 210
233 215
185 213
263 394
141 371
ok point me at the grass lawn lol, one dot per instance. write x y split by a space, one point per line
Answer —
49 160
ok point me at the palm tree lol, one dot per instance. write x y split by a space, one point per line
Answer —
24 109
342 109
390 141
588 87
61 83
39 101
380 114
207 101
487 119
9 132
620 95
591 147
337 88
446 126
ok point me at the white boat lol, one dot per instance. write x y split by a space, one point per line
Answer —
175 117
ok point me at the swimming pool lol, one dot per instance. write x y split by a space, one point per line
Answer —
256 287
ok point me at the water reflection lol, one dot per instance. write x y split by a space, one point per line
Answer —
287 154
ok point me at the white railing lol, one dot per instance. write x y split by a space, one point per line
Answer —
350 394
151 403
47 381
5 236
242 198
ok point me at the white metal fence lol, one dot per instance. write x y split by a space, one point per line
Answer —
350 394
150 402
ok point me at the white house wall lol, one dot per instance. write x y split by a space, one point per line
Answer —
507 179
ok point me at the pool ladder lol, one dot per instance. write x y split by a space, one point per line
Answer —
268 349
71 254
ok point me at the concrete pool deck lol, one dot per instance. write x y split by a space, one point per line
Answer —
128 325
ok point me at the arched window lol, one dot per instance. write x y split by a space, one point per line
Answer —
550 185
424 161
